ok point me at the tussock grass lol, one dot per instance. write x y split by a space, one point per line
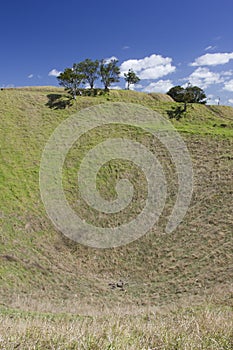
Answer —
190 328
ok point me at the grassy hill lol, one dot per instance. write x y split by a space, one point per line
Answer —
48 281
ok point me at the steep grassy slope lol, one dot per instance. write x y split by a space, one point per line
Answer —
41 270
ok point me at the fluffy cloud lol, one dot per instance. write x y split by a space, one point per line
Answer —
116 87
109 59
54 73
213 59
228 73
228 85
152 67
212 100
134 86
230 101
159 86
203 78
30 76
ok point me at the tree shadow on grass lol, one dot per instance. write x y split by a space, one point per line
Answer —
58 101
176 112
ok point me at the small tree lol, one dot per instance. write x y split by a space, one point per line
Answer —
195 94
131 78
89 69
190 94
71 79
109 73
176 92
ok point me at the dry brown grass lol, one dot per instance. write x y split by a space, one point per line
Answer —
188 329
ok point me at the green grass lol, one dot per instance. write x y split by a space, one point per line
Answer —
44 273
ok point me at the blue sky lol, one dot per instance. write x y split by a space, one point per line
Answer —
166 43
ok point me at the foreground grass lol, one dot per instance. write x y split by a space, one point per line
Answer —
200 328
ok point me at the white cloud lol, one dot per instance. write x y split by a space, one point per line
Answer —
159 86
228 73
109 59
133 86
54 73
116 87
210 48
203 78
228 85
212 100
152 67
126 47
86 86
230 101
30 76
8 86
212 59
